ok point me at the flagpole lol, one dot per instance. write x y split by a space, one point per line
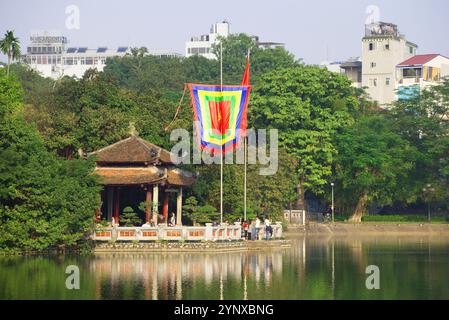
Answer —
221 138
245 153
244 187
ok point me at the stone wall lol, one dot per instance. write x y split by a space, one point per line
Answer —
109 247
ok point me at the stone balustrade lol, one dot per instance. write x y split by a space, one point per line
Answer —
178 233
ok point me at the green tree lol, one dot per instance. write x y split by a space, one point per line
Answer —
129 218
308 106
422 121
10 46
198 213
373 164
235 49
45 201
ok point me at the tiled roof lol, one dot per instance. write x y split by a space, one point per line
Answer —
419 59
132 149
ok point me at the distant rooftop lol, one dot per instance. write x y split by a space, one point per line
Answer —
418 60
355 62
382 29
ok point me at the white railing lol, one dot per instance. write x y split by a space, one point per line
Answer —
177 233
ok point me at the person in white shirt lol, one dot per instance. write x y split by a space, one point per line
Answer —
257 228
172 220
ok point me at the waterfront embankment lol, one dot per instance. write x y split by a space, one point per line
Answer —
207 246
371 229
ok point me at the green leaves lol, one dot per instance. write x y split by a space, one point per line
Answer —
373 160
199 214
308 106
45 201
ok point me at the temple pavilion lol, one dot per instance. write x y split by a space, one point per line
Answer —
133 171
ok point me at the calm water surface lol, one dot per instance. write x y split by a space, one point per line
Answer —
314 268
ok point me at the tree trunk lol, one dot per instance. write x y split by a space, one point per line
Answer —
360 209
300 200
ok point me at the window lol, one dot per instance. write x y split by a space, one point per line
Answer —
373 82
412 73
387 46
373 64
410 50
387 81
371 46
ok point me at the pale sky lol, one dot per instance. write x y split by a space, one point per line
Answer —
310 29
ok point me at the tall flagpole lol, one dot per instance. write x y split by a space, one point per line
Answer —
245 152
221 137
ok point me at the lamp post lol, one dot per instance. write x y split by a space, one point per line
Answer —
427 194
332 208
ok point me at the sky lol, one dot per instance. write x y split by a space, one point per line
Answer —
313 30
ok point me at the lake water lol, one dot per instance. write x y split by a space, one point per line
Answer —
313 268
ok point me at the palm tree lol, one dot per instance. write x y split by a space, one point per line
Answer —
10 46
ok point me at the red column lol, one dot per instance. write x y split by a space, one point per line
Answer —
148 205
116 204
165 207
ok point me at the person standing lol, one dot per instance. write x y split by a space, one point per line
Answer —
257 228
245 229
172 222
267 228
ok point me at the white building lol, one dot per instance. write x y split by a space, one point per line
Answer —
419 72
333 66
383 49
49 55
203 45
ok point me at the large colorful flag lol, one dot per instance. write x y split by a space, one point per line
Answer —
220 115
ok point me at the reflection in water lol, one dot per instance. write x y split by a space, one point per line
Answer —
313 268
162 276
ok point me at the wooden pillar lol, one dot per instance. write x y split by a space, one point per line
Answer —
179 208
148 205
116 204
155 203
165 207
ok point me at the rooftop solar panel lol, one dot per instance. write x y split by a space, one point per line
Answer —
122 49
82 50
71 50
102 49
